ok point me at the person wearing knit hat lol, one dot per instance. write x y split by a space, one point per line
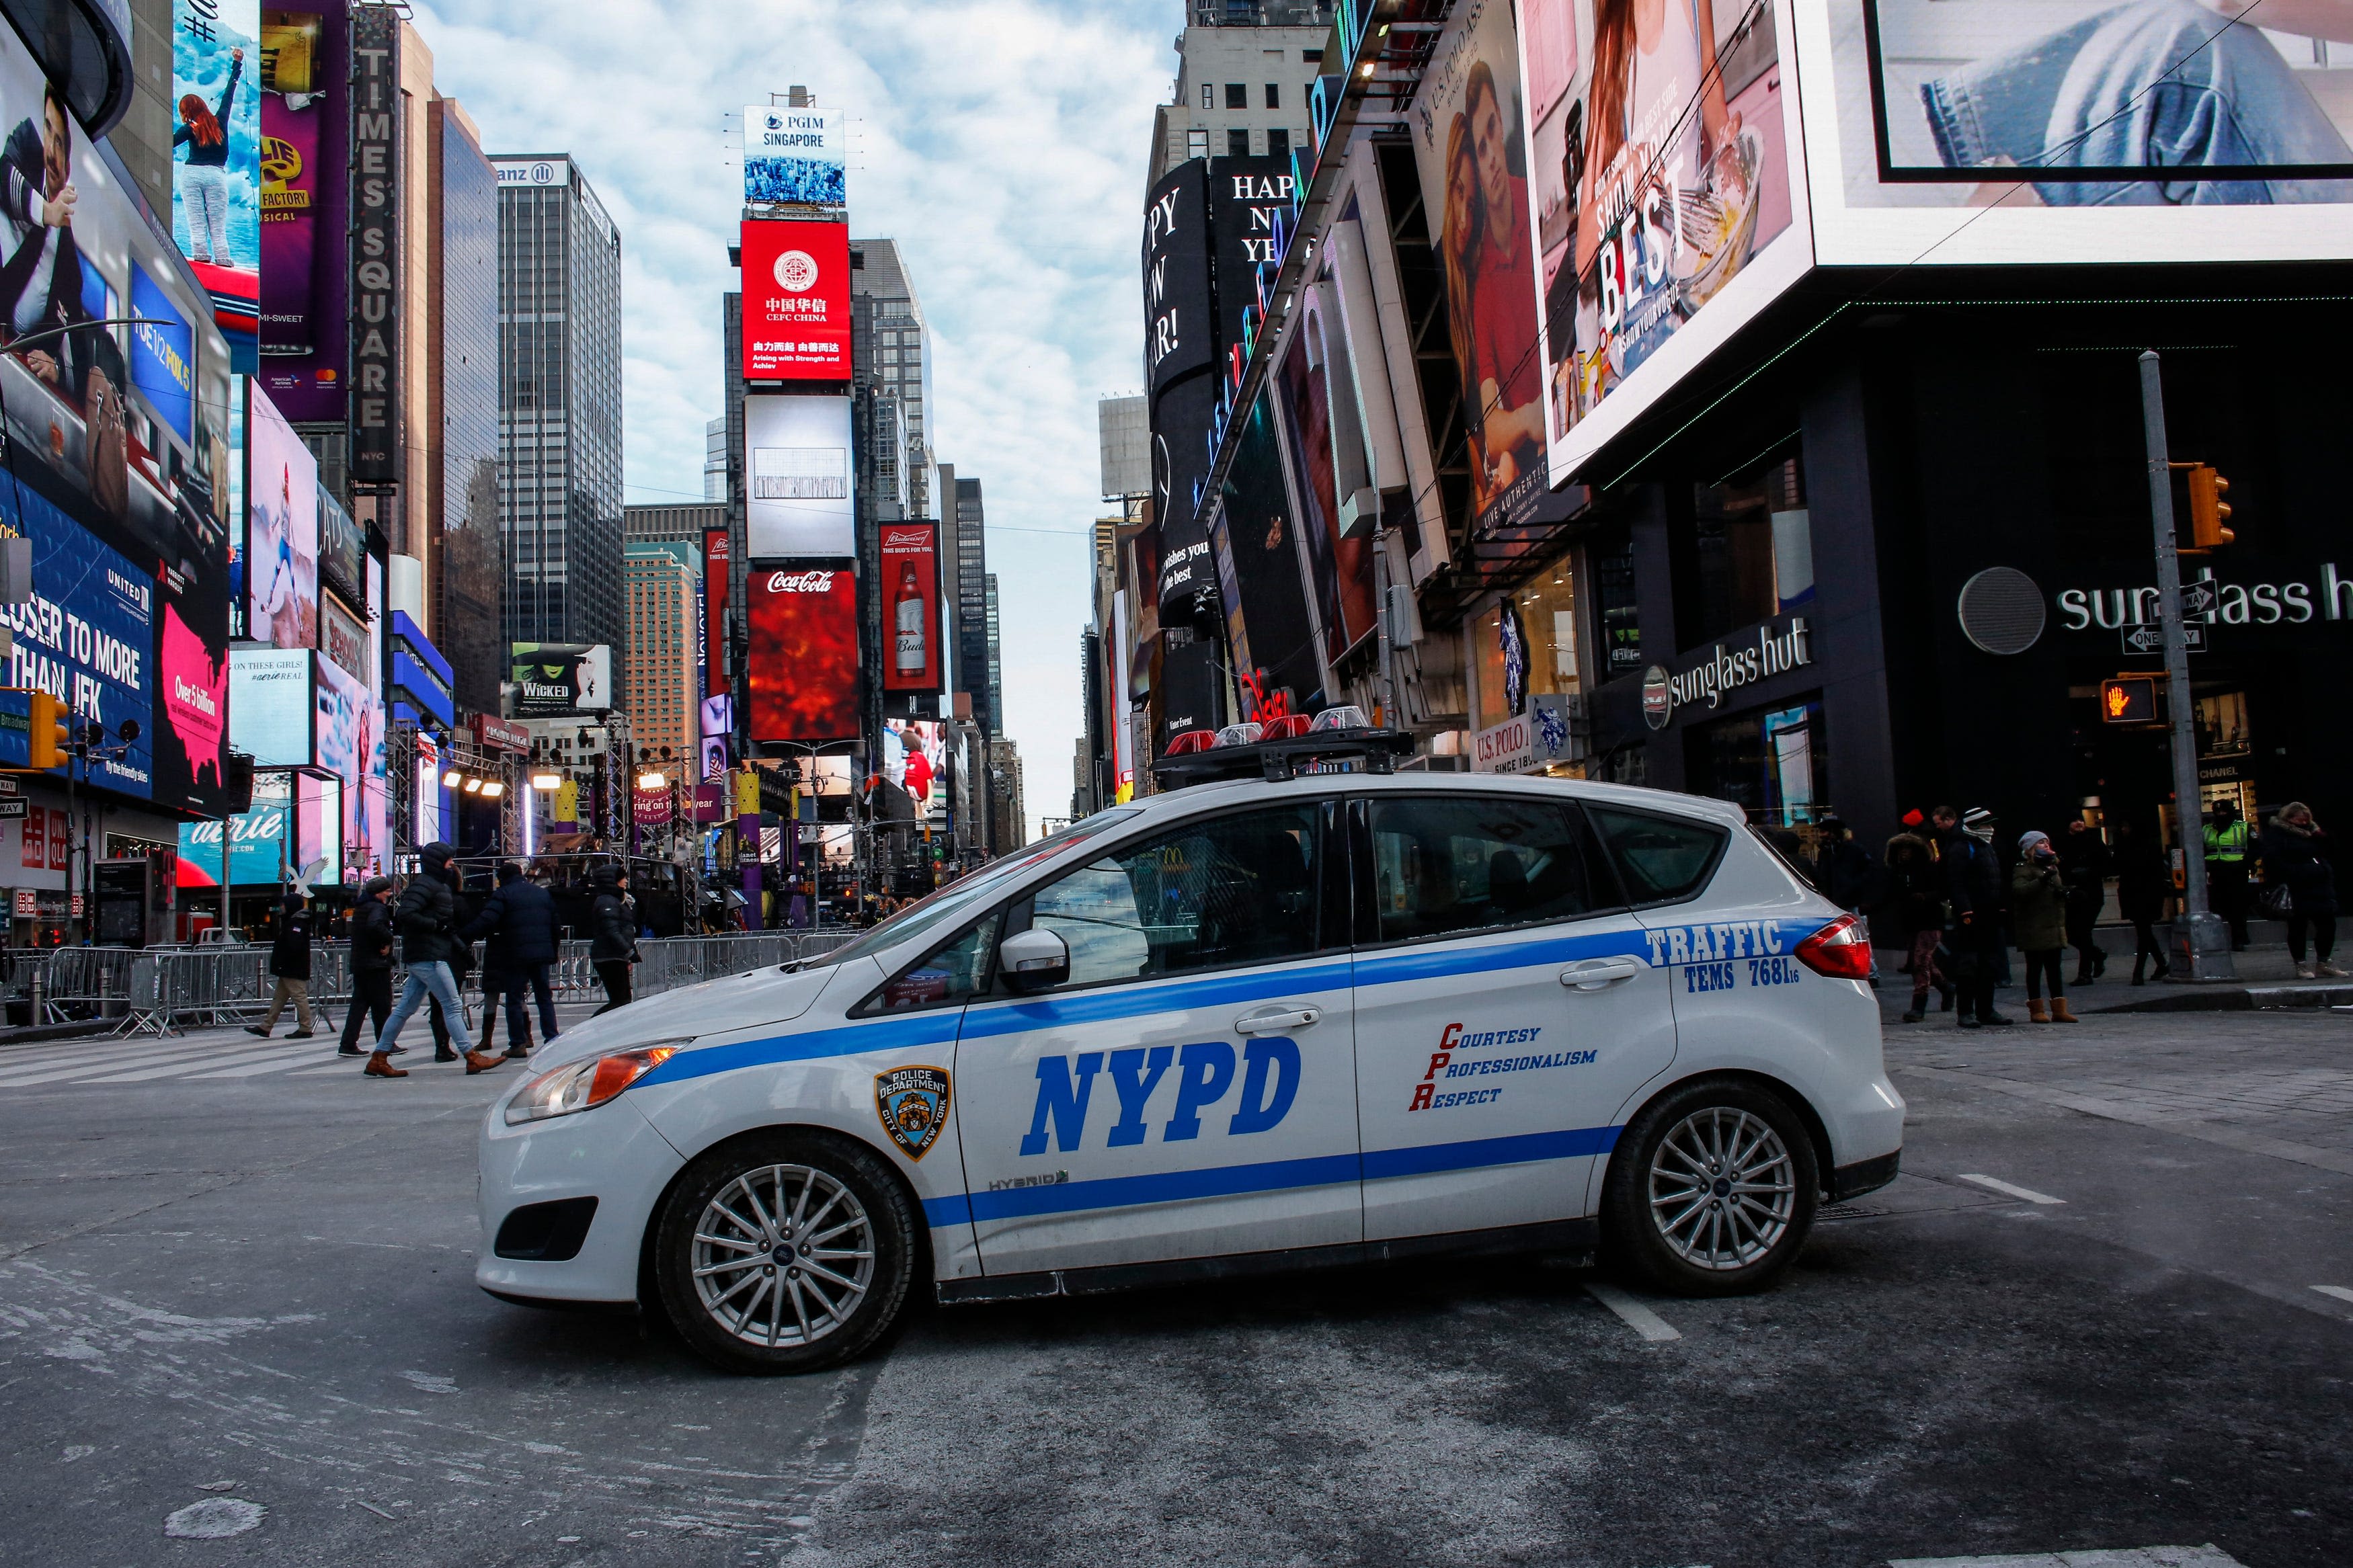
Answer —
2038 910
1974 889
370 968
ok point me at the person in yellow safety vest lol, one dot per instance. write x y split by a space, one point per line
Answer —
2228 841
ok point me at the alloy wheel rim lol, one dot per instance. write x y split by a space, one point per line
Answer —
783 1256
1723 1189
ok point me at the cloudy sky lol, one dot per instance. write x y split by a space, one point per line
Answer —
1002 142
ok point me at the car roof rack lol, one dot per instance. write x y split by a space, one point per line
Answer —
1352 750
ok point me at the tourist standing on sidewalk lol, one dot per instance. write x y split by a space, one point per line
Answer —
2144 881
290 965
2298 856
425 918
371 965
517 926
613 936
2228 841
1975 888
2083 867
1850 877
1918 903
2038 909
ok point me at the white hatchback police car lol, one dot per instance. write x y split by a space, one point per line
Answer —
1243 1027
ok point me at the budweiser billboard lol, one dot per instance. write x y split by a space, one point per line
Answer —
804 675
795 301
911 607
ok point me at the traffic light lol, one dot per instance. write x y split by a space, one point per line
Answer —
46 735
2131 700
2209 514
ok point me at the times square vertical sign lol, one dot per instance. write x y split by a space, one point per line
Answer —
375 245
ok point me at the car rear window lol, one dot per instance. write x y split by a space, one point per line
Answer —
1660 859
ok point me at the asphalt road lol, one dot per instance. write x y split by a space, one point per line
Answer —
244 1304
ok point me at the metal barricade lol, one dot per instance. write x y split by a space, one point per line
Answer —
88 982
816 944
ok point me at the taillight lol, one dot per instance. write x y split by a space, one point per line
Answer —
1841 950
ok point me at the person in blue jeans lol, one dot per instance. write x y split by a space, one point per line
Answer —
2153 85
425 918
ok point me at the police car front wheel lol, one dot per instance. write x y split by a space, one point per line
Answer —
1711 1189
785 1252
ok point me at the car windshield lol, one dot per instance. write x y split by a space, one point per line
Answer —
951 902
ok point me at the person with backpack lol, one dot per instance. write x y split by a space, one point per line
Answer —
425 918
372 939
290 965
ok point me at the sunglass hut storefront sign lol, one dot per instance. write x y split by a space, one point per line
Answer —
1727 669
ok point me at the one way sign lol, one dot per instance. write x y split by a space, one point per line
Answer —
2198 598
2151 639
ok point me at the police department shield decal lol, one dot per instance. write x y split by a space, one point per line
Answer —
913 1105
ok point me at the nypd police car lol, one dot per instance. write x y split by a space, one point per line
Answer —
1313 1013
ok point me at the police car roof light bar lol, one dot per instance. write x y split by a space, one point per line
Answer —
1352 750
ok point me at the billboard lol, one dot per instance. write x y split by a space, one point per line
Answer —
795 156
216 144
804 655
376 278
796 476
1649 207
270 705
911 607
281 533
1260 564
191 703
351 746
795 301
714 612
555 680
88 638
1947 134
1341 570
718 730
1176 310
255 842
304 76
915 758
343 547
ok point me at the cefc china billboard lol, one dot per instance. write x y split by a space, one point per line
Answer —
795 301
804 652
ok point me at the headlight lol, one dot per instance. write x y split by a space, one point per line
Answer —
586 1083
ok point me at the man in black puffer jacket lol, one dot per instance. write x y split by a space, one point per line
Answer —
517 929
613 935
1976 886
425 918
370 967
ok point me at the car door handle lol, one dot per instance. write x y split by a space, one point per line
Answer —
1595 973
1268 1023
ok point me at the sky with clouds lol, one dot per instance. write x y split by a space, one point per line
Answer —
1001 142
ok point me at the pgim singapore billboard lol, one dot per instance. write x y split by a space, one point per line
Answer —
795 301
804 653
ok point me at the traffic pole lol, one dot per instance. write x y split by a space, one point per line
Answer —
2205 944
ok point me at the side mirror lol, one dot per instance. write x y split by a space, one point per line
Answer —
1033 960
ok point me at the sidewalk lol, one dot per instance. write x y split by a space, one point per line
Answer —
2266 979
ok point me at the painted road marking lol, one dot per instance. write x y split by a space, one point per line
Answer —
1635 1315
2339 1291
2030 1195
2208 1556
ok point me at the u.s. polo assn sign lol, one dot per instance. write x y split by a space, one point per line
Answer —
1724 669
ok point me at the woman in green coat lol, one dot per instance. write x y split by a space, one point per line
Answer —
2038 917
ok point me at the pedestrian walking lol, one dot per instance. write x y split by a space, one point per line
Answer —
2083 866
425 918
462 964
371 965
2144 881
2038 911
613 936
2299 857
2228 841
290 965
1975 888
1917 902
1850 878
517 930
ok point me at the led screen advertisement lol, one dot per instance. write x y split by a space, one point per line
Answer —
304 81
270 705
282 553
795 301
912 662
1946 133
87 636
1341 570
795 157
557 679
804 675
915 758
1278 647
259 841
797 478
216 150
351 746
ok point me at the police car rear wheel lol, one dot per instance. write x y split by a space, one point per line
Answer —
787 1252
1712 1190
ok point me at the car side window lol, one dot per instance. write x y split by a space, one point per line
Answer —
1447 865
1660 859
1214 894
957 969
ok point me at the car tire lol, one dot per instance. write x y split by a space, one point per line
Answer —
785 1252
1711 1189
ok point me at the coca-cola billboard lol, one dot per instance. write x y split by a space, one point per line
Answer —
912 661
803 674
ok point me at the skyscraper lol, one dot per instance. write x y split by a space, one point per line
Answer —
902 362
1243 75
714 459
664 585
461 477
559 405
969 588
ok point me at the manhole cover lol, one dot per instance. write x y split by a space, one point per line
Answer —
2001 610
215 1518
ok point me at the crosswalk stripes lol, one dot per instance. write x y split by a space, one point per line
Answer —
213 1056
